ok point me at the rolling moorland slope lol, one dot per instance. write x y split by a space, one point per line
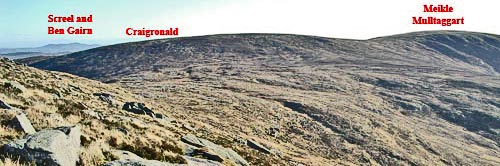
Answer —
52 118
423 98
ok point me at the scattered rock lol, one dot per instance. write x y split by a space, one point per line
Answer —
164 118
75 88
22 123
273 131
4 105
210 150
124 155
57 146
124 131
106 97
188 127
138 108
197 142
240 140
58 94
57 77
205 153
160 116
129 158
258 147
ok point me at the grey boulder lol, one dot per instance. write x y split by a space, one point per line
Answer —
54 147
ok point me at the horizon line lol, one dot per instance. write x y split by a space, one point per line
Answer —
252 33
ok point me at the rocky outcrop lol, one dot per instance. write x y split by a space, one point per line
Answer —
22 123
134 162
210 150
4 105
106 97
13 87
141 109
138 108
126 158
258 147
192 161
124 155
57 146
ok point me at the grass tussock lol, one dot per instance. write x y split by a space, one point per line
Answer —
92 154
9 162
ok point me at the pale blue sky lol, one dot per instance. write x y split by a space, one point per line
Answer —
24 22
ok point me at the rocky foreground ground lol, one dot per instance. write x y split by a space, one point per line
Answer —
427 98
52 118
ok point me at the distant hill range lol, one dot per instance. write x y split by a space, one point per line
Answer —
450 50
51 48
45 51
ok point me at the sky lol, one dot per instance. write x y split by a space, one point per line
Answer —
24 23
